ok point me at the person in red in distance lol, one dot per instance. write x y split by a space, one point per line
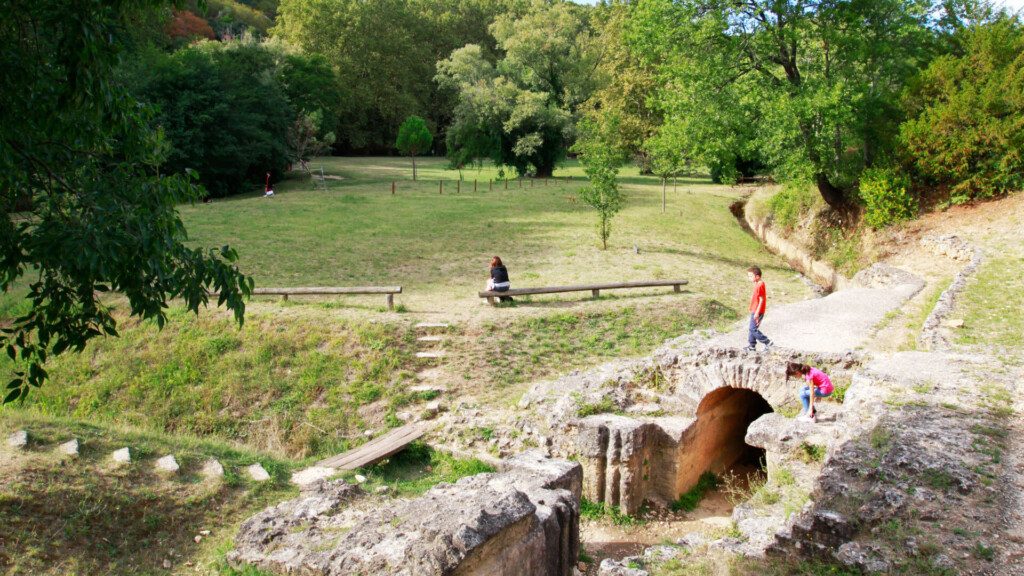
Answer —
758 304
267 190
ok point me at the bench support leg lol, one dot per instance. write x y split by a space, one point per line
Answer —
596 293
675 287
490 300
391 301
284 297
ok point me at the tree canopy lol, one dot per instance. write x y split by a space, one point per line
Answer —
89 205
414 138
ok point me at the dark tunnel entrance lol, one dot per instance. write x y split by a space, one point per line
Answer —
717 437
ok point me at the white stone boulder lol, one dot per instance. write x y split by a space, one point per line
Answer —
122 456
257 472
18 440
167 465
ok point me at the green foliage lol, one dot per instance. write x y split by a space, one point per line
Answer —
413 138
689 500
966 132
599 510
418 468
811 452
809 89
791 203
886 196
385 53
223 107
603 406
601 159
81 163
519 111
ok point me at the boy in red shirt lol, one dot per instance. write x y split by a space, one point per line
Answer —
758 303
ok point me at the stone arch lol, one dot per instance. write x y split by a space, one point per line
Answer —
702 377
715 441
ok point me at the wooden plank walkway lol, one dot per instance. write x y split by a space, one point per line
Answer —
377 449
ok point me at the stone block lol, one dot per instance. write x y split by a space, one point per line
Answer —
122 456
257 473
309 476
69 448
18 440
167 465
212 468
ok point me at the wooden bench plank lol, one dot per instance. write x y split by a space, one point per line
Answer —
594 288
327 290
377 449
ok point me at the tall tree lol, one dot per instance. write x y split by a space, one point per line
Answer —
812 85
521 109
414 138
88 208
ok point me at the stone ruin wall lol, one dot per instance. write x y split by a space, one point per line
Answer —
523 521
628 459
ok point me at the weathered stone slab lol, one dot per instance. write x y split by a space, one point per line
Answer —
257 473
520 522
18 440
122 456
167 465
312 475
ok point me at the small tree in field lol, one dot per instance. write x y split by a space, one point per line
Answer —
413 138
601 160
304 140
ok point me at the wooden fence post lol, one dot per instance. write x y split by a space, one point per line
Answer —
440 186
506 183
458 186
490 185
474 186
392 187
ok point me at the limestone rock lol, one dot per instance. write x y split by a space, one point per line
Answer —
122 456
311 475
611 567
517 523
167 464
69 448
18 440
212 468
257 473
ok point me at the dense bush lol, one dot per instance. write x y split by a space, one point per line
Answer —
886 196
789 204
224 110
967 132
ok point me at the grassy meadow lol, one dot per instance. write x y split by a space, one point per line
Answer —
307 377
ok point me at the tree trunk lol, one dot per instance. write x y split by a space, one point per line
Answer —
414 168
833 196
664 185
545 171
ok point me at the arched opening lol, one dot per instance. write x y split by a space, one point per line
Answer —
716 440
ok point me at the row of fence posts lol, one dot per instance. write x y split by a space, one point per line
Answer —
490 184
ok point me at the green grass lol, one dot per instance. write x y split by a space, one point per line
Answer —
292 385
516 350
689 500
600 511
433 244
81 516
991 306
418 468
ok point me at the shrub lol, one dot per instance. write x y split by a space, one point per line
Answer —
886 196
965 131
789 204
689 500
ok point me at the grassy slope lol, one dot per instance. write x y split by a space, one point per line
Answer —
84 517
992 306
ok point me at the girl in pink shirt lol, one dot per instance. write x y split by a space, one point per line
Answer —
816 380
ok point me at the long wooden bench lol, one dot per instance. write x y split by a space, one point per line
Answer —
595 289
284 293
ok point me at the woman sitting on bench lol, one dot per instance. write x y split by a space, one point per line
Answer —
499 279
